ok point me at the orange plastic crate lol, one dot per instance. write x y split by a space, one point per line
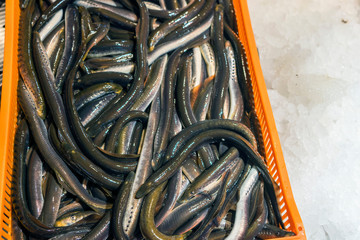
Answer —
274 156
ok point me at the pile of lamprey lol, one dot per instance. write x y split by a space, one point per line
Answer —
138 122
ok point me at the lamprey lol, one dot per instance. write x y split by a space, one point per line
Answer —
137 120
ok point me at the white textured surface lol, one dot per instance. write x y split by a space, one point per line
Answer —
310 56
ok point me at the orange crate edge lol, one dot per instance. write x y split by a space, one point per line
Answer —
8 114
274 156
263 109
